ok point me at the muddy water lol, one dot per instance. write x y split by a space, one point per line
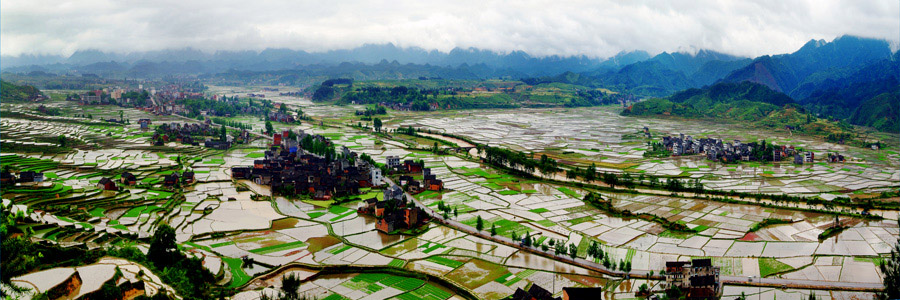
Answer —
284 223
356 225
533 261
456 141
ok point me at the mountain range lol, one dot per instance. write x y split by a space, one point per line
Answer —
829 79
192 61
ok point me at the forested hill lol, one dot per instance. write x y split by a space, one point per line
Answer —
879 112
12 92
744 101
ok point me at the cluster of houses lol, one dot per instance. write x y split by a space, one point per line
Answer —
24 177
174 179
287 166
536 292
697 279
717 150
105 183
394 211
182 133
400 213
281 117
95 97
129 179
429 181
190 133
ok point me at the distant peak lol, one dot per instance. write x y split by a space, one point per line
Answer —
813 44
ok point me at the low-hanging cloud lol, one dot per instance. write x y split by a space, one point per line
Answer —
593 28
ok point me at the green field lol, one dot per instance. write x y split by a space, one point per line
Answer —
769 266
238 276
445 261
276 248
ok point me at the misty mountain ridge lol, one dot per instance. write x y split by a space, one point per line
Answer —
510 64
274 58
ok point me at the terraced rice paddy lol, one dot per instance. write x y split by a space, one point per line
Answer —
226 222
600 136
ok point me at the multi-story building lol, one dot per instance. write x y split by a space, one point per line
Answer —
698 279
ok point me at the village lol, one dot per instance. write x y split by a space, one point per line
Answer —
697 279
184 100
291 170
737 151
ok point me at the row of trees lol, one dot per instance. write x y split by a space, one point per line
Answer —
231 123
227 106
317 146
372 111
657 149
597 201
518 160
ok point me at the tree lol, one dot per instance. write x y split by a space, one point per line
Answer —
269 128
62 141
890 267
643 289
573 250
590 172
435 149
163 251
479 223
223 134
559 249
674 292
527 240
493 229
121 116
377 124
592 249
290 284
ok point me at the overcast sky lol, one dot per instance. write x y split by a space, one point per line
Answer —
596 28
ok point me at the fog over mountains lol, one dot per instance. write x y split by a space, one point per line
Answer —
817 65
277 59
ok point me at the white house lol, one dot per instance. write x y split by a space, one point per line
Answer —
377 179
393 161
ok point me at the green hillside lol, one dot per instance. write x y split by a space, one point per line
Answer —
879 112
434 94
744 101
12 92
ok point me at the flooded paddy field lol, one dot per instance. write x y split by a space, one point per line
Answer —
360 286
598 135
224 221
